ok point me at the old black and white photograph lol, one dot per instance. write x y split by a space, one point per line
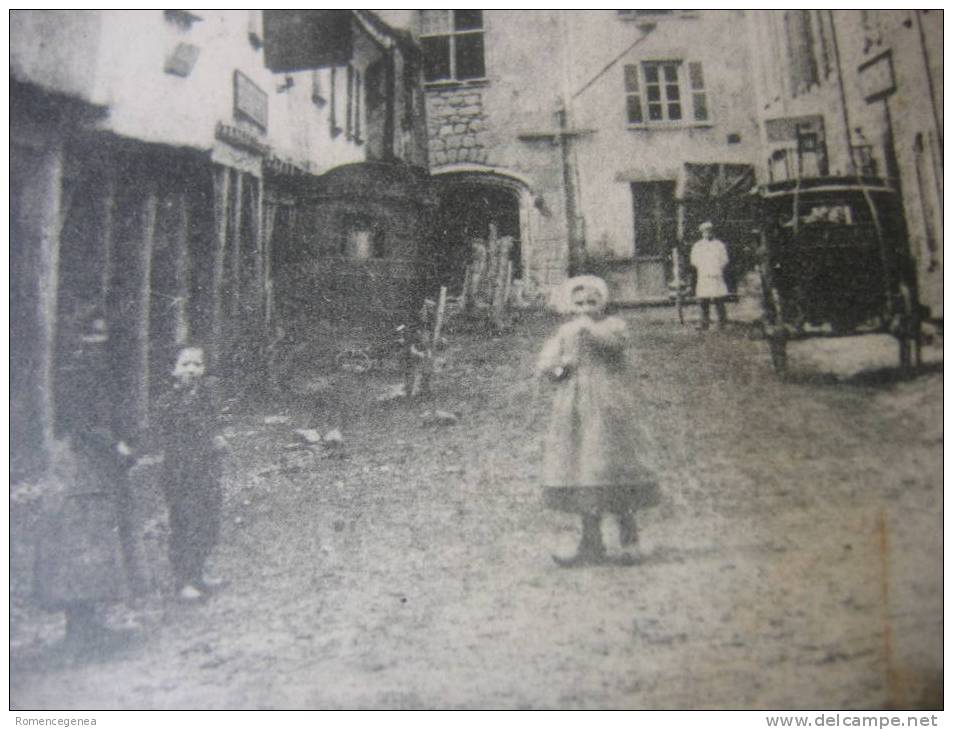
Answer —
476 360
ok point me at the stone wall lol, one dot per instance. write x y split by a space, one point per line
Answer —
456 125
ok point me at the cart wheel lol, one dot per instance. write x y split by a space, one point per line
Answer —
354 361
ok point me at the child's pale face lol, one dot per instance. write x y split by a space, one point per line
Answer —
189 365
586 303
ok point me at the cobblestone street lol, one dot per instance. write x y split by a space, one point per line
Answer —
794 562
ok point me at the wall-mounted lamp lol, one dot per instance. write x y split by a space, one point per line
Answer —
286 84
539 202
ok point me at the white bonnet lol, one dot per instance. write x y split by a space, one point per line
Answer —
563 300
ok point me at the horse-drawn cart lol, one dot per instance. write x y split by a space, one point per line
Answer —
835 260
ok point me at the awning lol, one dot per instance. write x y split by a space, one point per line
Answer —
704 181
301 40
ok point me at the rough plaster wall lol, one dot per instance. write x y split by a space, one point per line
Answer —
910 113
55 49
614 154
477 125
154 106
778 102
123 67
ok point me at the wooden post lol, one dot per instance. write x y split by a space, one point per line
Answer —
438 320
258 235
268 230
507 284
492 263
49 219
220 185
182 269
109 233
502 288
149 207
465 294
236 244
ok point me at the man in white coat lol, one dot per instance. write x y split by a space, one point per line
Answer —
709 257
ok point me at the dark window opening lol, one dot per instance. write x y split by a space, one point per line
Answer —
452 43
467 214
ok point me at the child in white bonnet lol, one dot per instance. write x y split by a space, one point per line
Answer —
590 464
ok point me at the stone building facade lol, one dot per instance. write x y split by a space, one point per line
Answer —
848 92
528 126
457 127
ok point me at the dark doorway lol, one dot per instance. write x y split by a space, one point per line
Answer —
656 223
656 233
465 213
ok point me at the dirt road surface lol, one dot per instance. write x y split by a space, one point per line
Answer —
795 560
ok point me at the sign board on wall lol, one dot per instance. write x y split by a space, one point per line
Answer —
787 129
251 102
877 80
299 40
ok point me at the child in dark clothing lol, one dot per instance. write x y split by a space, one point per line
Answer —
187 425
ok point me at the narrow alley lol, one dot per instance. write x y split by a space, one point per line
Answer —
795 559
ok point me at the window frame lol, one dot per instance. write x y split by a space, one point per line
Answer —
655 16
693 93
451 34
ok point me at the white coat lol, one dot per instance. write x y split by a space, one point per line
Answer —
709 258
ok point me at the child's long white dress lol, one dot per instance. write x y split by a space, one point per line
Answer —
593 445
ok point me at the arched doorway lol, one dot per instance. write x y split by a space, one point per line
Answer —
470 208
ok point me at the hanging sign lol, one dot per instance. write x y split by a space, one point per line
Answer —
251 102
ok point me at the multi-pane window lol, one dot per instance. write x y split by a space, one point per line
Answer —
665 91
662 98
452 42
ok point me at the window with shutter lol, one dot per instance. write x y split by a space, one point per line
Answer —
633 100
696 79
660 92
